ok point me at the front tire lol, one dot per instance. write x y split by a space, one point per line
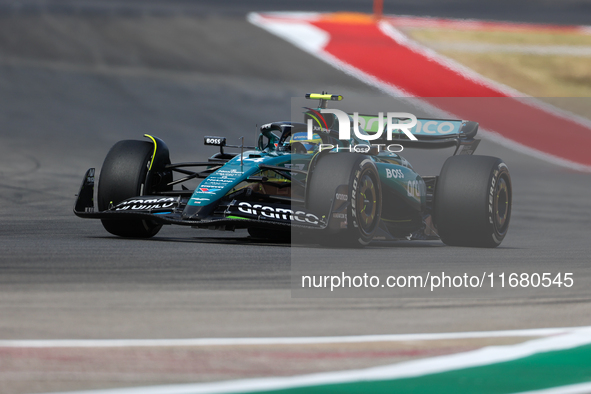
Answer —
123 175
365 196
473 199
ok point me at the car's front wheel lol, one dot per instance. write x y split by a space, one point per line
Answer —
123 175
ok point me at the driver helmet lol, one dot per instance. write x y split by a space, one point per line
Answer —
301 140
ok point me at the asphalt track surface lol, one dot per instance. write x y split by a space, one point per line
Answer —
72 85
540 11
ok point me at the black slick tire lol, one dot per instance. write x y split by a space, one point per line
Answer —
123 175
364 196
473 201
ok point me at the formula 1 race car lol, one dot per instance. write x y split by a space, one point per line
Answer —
305 178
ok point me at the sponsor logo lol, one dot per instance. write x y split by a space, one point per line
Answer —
354 196
304 137
217 141
208 190
277 213
213 141
394 173
491 194
434 127
413 189
146 204
424 126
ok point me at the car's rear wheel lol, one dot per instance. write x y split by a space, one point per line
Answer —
364 196
473 201
123 175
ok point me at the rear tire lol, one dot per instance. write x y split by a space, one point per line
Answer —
123 176
473 201
365 196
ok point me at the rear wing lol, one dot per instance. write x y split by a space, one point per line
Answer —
430 133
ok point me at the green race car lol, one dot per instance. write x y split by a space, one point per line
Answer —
306 180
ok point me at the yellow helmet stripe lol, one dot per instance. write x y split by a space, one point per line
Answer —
316 119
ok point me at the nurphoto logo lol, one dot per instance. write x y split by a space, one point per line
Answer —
393 122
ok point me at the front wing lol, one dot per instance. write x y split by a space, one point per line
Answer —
169 210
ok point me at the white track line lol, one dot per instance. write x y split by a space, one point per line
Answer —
102 343
480 357
534 332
